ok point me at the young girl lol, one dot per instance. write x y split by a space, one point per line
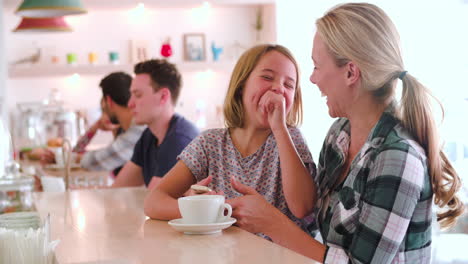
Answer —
261 146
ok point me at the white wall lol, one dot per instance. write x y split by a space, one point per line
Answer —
3 148
105 30
434 41
295 20
2 60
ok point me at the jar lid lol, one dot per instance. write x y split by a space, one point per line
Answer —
12 170
18 183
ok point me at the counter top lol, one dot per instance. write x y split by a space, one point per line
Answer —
109 226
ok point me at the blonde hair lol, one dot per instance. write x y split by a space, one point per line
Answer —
364 34
234 112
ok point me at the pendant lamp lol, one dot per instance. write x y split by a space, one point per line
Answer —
50 8
43 24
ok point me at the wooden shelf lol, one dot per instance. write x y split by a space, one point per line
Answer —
38 71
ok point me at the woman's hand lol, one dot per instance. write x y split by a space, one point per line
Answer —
252 211
273 105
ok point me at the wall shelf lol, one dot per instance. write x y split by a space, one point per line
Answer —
38 70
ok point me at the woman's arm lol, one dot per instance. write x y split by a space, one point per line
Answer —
287 234
161 202
256 215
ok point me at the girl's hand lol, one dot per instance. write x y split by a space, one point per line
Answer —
273 105
205 182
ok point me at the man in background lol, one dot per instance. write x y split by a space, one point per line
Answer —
154 93
116 117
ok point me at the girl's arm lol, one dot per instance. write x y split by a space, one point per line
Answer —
298 185
161 202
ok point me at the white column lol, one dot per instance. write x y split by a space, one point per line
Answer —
3 65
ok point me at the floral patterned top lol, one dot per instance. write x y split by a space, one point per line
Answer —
213 153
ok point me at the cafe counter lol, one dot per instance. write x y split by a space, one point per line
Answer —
109 226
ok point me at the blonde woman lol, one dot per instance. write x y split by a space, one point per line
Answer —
381 165
261 146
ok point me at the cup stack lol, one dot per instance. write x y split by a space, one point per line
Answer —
23 239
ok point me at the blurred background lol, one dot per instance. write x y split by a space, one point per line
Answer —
49 80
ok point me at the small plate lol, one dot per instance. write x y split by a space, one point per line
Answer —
200 229
20 216
20 220
73 166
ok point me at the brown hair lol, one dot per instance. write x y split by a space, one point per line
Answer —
364 34
163 74
234 113
117 86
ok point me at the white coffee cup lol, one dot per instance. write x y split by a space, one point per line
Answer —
58 155
204 209
52 184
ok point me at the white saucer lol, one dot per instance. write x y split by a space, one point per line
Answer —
200 229
54 166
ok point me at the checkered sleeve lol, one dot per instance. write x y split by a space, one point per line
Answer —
116 154
329 159
393 188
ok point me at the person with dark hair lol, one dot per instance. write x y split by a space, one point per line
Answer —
116 117
154 93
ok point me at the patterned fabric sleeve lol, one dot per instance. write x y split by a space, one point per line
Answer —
114 155
320 165
393 188
194 156
84 140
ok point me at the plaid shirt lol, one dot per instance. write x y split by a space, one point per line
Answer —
382 212
116 154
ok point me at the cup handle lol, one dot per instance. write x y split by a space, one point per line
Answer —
223 217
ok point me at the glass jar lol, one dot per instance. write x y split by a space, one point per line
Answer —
16 194
15 189
29 127
6 150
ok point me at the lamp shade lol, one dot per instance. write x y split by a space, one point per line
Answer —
43 24
50 8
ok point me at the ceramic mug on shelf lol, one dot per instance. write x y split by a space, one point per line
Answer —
72 58
114 57
92 57
204 209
